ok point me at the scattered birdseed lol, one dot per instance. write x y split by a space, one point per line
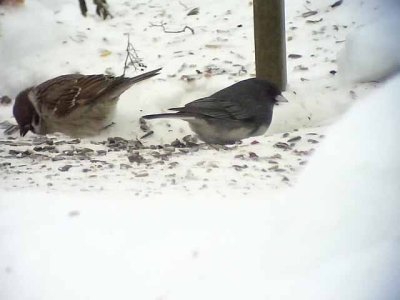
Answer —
125 166
309 13
294 56
193 12
294 139
239 168
282 145
142 174
65 168
312 141
136 157
253 155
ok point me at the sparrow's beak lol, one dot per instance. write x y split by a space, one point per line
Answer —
24 130
280 99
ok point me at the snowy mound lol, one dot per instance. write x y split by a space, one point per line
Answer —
335 236
341 220
372 52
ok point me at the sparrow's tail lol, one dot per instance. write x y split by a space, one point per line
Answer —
143 76
121 84
179 115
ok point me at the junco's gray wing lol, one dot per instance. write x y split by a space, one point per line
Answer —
220 108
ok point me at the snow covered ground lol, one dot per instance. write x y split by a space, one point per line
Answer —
223 53
122 217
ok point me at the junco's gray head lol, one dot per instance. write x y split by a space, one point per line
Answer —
239 111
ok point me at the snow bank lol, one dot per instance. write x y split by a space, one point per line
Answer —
339 235
372 52
335 236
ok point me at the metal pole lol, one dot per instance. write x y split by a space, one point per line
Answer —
270 41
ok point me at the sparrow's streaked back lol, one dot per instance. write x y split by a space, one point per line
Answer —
73 104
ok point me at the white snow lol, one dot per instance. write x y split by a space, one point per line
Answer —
339 226
372 52
234 223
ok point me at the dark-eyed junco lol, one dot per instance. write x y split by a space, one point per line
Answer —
239 111
74 104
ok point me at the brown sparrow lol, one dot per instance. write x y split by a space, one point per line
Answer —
74 104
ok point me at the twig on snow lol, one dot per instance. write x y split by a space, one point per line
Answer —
184 5
162 25
132 58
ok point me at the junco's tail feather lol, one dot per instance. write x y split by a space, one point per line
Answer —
182 116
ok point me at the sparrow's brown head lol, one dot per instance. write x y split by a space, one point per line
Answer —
25 113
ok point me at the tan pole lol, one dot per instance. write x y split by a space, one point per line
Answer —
270 41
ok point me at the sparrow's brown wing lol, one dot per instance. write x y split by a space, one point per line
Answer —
65 93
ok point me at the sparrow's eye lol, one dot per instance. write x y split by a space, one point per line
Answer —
35 124
36 120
